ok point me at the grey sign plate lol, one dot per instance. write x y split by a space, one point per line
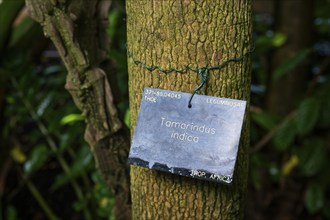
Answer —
199 142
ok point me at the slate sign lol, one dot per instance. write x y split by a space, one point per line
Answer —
199 142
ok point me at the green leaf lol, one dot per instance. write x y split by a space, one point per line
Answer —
11 213
64 141
113 19
8 12
275 40
43 105
290 63
264 119
127 118
307 116
257 162
285 134
36 159
21 31
53 69
312 157
289 165
279 39
60 180
79 205
68 119
81 160
314 198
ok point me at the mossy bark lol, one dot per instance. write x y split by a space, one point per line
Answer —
174 34
78 30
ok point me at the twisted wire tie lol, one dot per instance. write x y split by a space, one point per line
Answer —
202 71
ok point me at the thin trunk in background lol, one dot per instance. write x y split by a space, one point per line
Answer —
295 20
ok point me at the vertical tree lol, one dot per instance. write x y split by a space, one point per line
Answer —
174 34
295 20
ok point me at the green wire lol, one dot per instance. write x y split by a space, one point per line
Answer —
202 71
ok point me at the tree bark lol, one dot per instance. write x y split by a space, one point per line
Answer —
174 34
78 30
295 20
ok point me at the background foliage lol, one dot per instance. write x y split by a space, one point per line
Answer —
47 170
290 152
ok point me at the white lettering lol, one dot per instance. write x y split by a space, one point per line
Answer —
197 173
168 94
187 126
224 102
150 98
184 137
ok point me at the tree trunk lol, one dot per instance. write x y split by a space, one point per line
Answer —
295 20
78 30
174 34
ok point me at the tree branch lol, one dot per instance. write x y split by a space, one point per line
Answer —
77 29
